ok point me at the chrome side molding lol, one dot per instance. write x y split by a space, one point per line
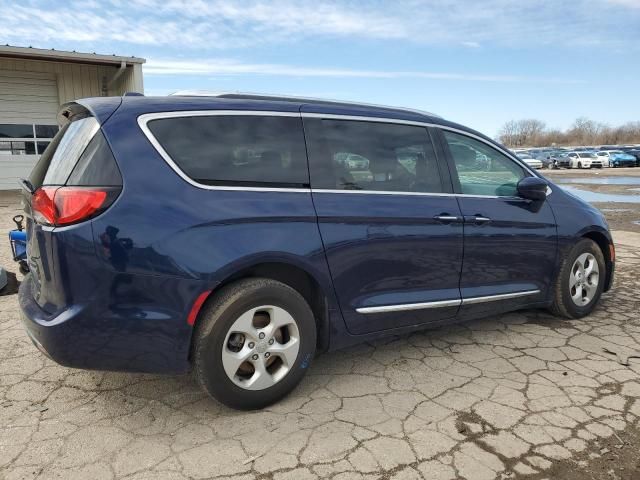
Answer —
502 296
445 303
410 306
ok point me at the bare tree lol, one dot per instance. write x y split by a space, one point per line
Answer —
521 132
508 132
584 131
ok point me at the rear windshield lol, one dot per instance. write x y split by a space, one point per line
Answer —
236 150
60 157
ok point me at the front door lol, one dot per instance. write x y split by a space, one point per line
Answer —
510 243
391 228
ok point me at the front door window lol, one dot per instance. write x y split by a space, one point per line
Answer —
481 169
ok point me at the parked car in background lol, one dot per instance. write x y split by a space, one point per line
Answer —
253 246
605 156
550 158
562 159
356 162
541 154
635 151
618 158
580 159
529 160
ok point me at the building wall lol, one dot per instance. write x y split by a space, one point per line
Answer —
31 92
77 80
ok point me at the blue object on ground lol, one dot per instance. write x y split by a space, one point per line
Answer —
18 240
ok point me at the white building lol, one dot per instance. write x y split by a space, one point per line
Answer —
35 82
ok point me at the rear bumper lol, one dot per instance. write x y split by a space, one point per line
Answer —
47 333
117 340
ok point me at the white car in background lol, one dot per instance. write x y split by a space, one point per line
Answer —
604 156
584 160
529 160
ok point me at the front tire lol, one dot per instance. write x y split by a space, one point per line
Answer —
254 341
580 282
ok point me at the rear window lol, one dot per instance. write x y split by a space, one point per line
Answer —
60 157
242 150
96 166
78 155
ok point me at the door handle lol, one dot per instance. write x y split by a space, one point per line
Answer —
477 219
446 218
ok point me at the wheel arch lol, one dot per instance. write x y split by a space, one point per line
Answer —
604 242
295 276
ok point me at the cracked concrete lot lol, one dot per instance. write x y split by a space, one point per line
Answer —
507 397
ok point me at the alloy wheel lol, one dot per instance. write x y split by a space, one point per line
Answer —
583 279
261 347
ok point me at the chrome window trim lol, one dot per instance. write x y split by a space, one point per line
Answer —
445 303
334 116
145 118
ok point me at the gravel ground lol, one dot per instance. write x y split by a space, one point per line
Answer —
522 395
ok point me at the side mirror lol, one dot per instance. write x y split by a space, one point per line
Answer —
532 188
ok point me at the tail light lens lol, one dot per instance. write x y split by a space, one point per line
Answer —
59 206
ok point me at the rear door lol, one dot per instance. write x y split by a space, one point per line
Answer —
510 243
391 228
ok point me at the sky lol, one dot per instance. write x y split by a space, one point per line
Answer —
477 62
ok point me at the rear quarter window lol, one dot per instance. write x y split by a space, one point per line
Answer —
59 158
243 150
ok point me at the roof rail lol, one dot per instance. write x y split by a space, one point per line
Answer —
291 98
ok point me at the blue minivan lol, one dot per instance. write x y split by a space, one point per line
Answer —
237 235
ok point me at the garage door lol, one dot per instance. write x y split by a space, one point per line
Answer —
28 108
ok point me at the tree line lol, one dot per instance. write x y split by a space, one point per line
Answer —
534 133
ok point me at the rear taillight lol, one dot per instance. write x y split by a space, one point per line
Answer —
42 206
59 206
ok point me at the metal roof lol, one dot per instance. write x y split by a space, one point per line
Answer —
292 98
31 53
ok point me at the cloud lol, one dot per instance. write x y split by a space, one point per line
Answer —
227 24
223 67
626 3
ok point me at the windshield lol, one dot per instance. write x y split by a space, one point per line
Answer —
587 155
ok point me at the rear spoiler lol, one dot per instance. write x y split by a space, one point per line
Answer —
70 111
99 107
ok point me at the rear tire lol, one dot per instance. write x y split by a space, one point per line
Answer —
580 281
253 343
